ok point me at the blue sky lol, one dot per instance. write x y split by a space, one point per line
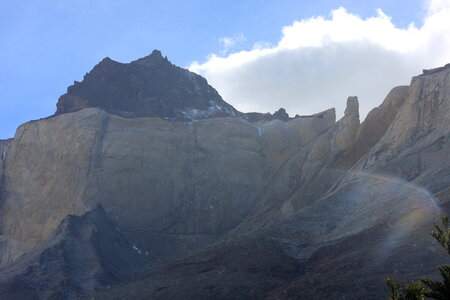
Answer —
46 45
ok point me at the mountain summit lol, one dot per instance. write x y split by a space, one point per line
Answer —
148 87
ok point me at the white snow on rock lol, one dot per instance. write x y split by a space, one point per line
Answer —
4 154
137 249
140 251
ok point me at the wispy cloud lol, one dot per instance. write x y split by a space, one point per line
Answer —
228 43
320 61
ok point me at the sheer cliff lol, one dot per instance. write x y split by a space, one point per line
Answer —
214 203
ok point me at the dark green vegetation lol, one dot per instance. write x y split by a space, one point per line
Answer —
429 288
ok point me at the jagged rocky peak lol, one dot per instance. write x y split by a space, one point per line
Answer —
376 124
352 109
154 58
349 124
152 86
148 87
280 114
435 70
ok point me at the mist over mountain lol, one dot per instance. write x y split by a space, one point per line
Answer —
145 183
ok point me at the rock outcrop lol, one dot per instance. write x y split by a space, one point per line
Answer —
417 144
85 254
375 125
152 87
148 87
280 114
4 144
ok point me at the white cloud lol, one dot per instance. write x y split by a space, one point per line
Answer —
320 61
435 6
229 43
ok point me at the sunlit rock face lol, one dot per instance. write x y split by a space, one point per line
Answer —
377 215
4 145
276 207
416 147
375 125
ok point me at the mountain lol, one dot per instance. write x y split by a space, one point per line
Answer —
85 253
150 87
147 184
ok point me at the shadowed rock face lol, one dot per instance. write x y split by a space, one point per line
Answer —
245 269
83 255
150 86
222 204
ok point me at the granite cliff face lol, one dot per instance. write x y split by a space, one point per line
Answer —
158 179
215 203
4 144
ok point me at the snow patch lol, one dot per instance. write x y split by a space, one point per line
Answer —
137 249
140 251
212 110
259 131
192 114
4 153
